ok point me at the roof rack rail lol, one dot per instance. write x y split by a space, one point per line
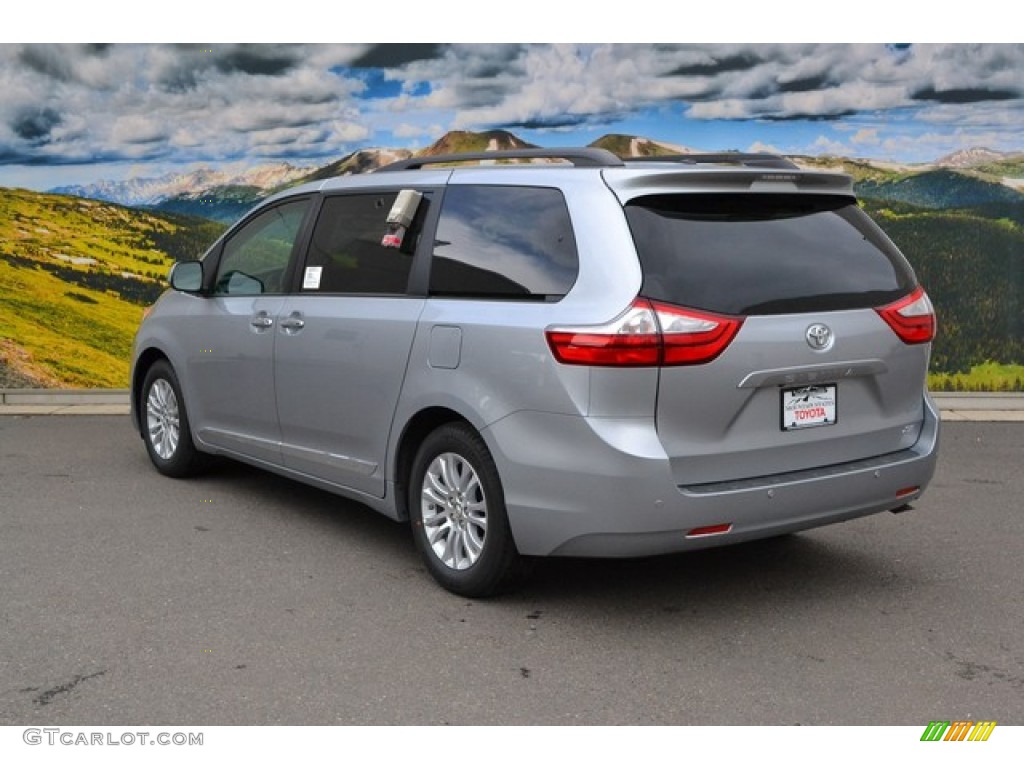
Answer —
581 157
747 159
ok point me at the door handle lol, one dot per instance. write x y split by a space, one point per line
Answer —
293 323
261 321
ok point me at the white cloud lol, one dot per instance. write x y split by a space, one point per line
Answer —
150 101
992 114
349 132
865 136
159 102
725 109
137 129
413 131
826 146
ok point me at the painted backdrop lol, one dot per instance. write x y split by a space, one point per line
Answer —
115 160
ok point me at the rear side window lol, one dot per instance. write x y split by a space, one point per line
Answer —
765 254
346 254
504 243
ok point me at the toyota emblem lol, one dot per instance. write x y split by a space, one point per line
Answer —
819 337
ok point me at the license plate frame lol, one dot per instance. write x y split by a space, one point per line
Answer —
809 406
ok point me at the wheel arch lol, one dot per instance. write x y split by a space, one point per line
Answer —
143 363
413 434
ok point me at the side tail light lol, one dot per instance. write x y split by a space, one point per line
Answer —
912 317
648 333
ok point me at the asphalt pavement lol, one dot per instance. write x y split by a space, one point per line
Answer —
127 598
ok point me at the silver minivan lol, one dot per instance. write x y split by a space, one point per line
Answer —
589 357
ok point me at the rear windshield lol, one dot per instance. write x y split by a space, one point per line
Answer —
758 254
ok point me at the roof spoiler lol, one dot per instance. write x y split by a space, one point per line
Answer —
745 159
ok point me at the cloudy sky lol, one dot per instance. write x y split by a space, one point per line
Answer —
79 113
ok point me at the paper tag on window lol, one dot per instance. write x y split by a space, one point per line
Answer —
311 280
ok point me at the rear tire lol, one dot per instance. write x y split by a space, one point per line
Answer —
459 521
165 426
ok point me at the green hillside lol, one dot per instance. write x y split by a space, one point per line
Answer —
224 204
941 189
860 170
973 269
1012 167
75 275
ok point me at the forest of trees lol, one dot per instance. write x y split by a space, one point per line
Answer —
972 266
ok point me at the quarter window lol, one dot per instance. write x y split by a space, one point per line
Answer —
504 243
255 258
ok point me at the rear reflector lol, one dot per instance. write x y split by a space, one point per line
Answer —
912 317
647 334
709 530
902 493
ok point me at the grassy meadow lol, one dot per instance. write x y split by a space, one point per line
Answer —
75 276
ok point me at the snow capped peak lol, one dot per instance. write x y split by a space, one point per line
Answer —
150 191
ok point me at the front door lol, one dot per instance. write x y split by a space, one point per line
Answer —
232 336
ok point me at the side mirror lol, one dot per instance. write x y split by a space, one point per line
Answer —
187 276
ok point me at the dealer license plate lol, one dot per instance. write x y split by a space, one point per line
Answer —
813 406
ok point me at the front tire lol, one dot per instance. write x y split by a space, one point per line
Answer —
459 521
165 426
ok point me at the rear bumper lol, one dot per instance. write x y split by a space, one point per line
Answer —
603 488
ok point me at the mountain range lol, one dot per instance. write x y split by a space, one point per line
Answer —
223 195
151 191
967 178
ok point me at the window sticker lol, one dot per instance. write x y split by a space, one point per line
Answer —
311 280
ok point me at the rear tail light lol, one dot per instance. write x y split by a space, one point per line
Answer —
693 337
647 334
912 317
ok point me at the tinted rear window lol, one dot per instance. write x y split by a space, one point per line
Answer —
504 243
764 254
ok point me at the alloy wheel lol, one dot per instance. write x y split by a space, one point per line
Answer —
454 510
163 421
